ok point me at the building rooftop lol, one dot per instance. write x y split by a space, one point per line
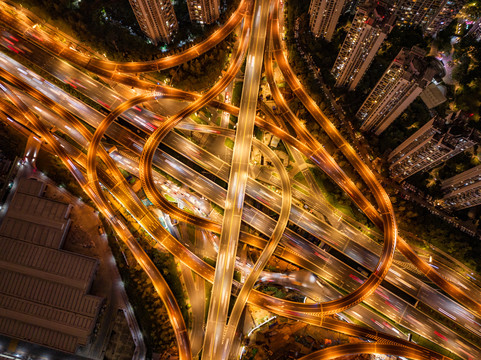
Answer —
60 266
379 14
418 66
43 289
433 95
35 219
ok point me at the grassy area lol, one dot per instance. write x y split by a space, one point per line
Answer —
206 112
170 198
189 211
229 143
237 93
337 197
198 120
218 209
208 294
209 261
190 233
258 133
300 178
68 139
276 291
167 176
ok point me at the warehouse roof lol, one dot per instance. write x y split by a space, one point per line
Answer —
43 289
35 219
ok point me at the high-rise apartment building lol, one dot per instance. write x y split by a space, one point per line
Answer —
416 12
405 78
371 24
463 190
203 11
156 19
444 17
324 15
431 15
435 142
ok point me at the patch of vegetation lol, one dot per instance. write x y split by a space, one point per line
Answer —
300 178
338 198
218 209
467 75
204 71
237 93
149 309
197 119
280 292
229 143
109 26
414 117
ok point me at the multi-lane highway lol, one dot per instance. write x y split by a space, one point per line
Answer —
363 170
294 248
145 262
216 344
31 28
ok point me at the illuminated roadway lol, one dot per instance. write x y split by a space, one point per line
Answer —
267 251
363 170
96 65
354 330
145 262
229 237
384 220
335 352
346 327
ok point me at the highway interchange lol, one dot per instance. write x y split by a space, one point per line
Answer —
57 108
